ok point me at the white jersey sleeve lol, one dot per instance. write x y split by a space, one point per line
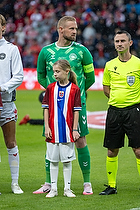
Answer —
11 69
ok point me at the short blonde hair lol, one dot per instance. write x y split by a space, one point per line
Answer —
2 20
65 19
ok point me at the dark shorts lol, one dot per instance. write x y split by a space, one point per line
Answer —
121 121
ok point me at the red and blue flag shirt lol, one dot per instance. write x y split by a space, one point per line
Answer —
61 101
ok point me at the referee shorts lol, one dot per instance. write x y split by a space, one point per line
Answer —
121 121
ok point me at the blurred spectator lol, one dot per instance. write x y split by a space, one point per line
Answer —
97 22
100 27
7 8
27 27
132 6
138 49
50 12
69 11
31 7
28 58
80 36
14 41
138 30
99 55
89 15
10 29
34 49
59 10
32 33
110 26
89 33
54 33
19 19
35 18
10 26
119 17
131 23
20 35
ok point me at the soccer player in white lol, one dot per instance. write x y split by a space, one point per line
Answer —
11 76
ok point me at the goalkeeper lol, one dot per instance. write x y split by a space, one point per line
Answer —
81 63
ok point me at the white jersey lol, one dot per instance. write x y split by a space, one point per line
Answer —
11 69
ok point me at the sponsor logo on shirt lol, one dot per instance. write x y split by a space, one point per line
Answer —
2 56
72 56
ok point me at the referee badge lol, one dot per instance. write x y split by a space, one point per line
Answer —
130 80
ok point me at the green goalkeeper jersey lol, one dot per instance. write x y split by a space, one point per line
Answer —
79 58
124 81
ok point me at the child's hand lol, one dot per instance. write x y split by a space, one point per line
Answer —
76 135
48 133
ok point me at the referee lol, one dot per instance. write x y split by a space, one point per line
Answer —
121 84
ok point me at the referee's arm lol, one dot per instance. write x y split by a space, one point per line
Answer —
106 90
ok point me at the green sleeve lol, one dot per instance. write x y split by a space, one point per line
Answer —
41 69
42 79
88 69
90 79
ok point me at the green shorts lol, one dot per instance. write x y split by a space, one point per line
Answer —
82 125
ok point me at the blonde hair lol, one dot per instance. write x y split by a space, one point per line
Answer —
65 19
2 21
64 64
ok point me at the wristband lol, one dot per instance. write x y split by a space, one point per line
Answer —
74 130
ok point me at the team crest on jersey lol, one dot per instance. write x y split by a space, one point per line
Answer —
61 94
2 56
130 80
72 56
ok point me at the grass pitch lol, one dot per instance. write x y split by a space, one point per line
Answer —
32 148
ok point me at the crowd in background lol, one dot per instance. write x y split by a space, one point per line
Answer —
31 24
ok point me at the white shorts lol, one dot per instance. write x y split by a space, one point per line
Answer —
8 113
63 152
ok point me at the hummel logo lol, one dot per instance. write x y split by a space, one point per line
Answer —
84 122
47 165
115 67
53 57
83 117
85 164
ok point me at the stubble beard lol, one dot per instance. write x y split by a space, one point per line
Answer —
70 39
